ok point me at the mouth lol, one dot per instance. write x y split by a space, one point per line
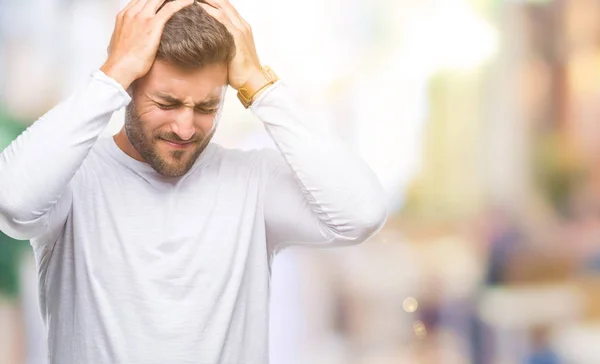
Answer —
177 144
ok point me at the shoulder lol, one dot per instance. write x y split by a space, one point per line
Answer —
100 153
262 163
98 165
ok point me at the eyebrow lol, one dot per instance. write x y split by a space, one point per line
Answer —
210 101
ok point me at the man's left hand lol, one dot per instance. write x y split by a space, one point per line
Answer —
246 62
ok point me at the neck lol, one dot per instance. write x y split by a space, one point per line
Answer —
125 145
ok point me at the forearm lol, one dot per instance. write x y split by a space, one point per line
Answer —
37 167
339 187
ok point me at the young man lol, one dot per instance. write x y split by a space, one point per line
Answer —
155 246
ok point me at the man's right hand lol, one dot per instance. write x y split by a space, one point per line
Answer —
136 37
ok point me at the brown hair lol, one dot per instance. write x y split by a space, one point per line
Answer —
193 39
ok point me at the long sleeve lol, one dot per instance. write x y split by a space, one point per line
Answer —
36 169
318 192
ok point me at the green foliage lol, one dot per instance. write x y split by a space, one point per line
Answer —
10 249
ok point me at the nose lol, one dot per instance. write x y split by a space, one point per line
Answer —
183 126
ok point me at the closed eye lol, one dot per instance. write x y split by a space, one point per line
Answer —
206 111
167 106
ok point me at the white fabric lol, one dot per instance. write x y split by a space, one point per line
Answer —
135 267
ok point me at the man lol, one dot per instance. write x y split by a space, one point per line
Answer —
155 246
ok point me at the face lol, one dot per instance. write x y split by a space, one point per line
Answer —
171 117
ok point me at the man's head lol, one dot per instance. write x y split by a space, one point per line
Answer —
171 118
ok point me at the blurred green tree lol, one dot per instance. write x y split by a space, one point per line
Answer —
10 249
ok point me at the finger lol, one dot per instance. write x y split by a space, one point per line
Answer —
129 5
229 11
119 22
135 9
221 17
171 8
217 14
152 6
122 13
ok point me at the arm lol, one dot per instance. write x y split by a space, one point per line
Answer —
36 169
318 192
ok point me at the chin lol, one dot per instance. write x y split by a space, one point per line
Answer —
169 164
173 173
173 169
174 163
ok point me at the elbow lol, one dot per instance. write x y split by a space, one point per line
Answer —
366 221
370 211
370 221
16 223
17 229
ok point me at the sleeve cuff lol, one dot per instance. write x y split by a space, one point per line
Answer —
102 77
265 95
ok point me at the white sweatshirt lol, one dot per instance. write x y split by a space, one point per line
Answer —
135 267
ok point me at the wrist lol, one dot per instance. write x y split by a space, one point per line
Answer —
262 91
257 84
118 73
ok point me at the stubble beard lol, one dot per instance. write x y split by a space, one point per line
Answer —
147 147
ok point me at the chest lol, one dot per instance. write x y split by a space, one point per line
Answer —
150 249
211 217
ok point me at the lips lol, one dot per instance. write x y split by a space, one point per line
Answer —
178 144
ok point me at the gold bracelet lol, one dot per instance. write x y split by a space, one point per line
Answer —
255 84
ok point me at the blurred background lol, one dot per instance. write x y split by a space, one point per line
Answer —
481 119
